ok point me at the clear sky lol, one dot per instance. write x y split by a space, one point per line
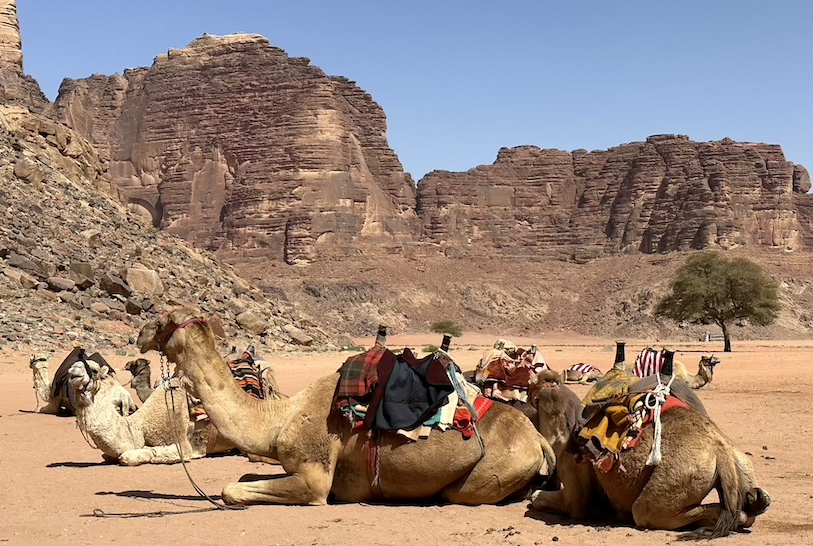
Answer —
459 80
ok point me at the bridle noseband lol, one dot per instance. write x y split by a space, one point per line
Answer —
164 336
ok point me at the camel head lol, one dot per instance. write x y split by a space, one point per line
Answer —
38 361
137 366
709 362
159 334
85 377
541 386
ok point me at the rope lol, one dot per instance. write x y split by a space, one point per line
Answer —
171 389
654 401
99 513
461 393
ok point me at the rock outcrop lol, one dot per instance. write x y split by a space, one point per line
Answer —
667 193
232 144
15 86
78 266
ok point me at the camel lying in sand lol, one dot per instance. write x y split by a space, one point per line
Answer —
697 457
59 397
148 435
320 452
581 373
705 369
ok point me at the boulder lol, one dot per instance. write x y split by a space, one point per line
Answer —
113 284
57 284
146 282
252 322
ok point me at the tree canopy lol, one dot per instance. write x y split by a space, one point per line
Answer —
711 289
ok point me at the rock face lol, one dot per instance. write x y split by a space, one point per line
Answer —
232 144
668 193
15 86
77 266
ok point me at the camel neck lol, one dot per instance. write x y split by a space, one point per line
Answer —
251 424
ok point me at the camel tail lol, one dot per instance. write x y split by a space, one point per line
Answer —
732 491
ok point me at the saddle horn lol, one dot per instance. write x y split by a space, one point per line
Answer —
668 363
620 353
381 337
447 341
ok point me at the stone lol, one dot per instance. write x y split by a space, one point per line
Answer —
217 327
99 307
132 307
60 283
146 282
252 322
29 171
300 338
113 284
23 263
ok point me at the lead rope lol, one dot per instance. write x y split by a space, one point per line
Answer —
654 401
165 378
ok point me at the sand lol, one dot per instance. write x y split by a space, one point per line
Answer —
53 481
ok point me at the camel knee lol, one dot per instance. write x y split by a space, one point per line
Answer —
135 457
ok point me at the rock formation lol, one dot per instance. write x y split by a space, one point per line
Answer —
77 266
15 86
231 143
667 193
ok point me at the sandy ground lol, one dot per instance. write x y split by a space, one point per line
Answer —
52 481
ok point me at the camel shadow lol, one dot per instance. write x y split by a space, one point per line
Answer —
152 495
70 464
556 520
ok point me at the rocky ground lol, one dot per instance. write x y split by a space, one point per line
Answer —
78 267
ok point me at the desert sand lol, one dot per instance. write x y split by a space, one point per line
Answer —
53 481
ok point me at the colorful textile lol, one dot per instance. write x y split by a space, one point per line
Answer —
649 362
359 374
583 369
247 374
506 379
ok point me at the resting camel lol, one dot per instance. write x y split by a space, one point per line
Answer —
149 434
697 457
141 380
322 455
581 373
59 397
705 371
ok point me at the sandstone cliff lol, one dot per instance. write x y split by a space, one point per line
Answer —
15 86
667 193
232 144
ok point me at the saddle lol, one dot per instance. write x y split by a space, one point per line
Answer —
506 377
614 426
381 391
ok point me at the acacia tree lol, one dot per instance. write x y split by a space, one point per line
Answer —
710 289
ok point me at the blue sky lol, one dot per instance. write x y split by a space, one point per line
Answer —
459 80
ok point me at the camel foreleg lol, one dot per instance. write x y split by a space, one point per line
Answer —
309 485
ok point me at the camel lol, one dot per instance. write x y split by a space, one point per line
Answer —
59 398
705 371
697 457
140 382
322 455
149 434
581 373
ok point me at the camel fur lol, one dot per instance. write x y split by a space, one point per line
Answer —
705 372
322 455
697 457
573 376
59 398
148 435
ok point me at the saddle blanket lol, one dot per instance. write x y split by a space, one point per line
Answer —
649 362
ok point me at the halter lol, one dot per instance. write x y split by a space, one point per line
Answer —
164 337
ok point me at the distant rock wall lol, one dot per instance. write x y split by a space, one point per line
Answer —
232 144
15 86
667 193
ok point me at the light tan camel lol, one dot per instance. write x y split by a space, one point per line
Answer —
149 434
705 372
59 397
697 457
581 373
322 455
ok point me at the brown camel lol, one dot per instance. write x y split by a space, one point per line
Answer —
141 380
322 455
697 457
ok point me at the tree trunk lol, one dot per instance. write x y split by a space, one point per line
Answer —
726 338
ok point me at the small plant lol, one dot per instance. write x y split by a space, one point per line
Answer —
430 348
354 348
447 327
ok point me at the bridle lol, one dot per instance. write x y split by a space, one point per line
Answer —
164 336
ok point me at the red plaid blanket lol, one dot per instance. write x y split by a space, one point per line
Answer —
359 374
